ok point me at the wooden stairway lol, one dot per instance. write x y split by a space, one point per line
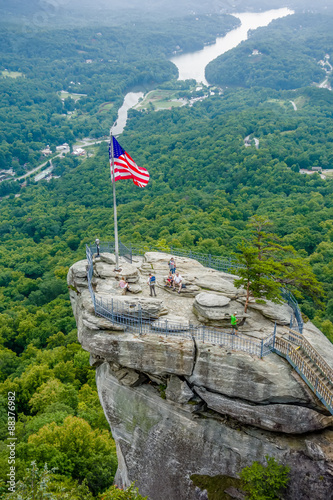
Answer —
308 363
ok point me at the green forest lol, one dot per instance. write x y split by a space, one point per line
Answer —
98 65
288 53
205 186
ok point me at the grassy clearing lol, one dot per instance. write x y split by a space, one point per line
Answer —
11 74
106 107
160 99
328 174
64 94
300 101
281 103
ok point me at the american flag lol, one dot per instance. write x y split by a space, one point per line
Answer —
125 167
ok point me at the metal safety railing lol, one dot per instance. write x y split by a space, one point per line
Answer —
320 384
226 265
296 320
107 247
134 319
312 354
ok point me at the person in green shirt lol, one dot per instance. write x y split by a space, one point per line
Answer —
234 323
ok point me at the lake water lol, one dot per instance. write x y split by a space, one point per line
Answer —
192 65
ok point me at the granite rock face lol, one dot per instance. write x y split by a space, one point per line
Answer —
286 418
179 406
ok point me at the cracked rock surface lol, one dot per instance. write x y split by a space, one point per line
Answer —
179 406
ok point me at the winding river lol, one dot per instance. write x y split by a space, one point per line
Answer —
192 65
131 99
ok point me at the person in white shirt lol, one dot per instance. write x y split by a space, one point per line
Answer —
177 281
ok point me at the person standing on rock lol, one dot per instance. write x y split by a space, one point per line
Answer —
151 282
234 323
172 265
97 248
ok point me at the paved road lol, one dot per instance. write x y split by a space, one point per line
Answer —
35 169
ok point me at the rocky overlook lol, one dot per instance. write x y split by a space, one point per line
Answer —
178 406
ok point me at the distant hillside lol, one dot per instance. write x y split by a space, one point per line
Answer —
46 13
283 55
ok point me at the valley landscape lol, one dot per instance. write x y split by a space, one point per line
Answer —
254 139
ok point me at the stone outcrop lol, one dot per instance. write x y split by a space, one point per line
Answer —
244 376
286 418
178 406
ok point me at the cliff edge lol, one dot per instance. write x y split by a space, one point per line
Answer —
181 404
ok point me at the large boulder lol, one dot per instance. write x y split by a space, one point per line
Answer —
212 308
105 270
244 376
159 262
281 313
178 391
216 281
211 300
77 276
147 353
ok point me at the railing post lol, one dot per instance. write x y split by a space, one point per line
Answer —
262 348
140 319
166 327
316 384
274 335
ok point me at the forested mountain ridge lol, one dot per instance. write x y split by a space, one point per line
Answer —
40 14
205 185
283 55
98 65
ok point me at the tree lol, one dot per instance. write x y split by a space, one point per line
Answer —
115 493
53 391
75 449
267 264
264 482
44 484
34 485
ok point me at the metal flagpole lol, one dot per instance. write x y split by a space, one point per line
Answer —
116 246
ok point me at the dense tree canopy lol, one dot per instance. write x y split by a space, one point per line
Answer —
205 186
284 55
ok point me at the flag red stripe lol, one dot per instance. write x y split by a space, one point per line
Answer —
126 168
126 161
